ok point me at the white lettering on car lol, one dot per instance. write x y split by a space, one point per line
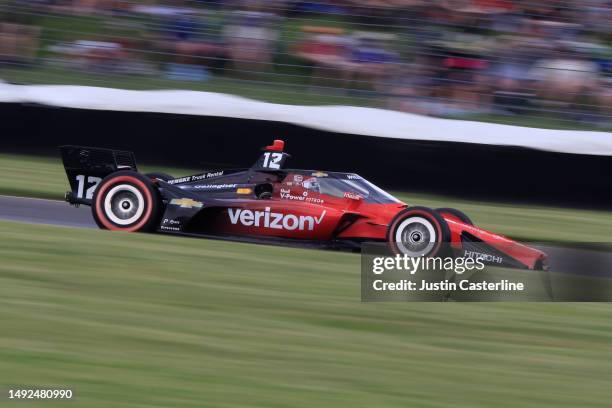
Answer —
483 257
274 220
180 180
234 216
196 177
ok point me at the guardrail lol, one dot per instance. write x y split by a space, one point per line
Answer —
340 119
467 170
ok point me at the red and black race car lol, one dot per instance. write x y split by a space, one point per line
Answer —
271 202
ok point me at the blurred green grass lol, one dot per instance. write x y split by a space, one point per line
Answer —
45 178
137 320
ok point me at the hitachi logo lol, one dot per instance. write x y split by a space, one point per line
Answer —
268 219
483 257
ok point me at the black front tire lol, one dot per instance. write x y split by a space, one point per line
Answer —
453 212
419 231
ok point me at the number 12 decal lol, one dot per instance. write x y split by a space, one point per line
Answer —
93 183
272 160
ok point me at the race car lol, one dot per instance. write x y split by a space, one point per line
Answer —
273 203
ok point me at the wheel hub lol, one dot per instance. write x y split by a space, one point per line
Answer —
415 236
124 205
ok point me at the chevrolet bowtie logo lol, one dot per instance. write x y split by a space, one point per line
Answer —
186 203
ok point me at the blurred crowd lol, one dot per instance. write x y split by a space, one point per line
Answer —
539 58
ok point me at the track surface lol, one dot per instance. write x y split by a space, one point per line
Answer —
39 211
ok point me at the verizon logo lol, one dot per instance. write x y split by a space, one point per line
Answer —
273 220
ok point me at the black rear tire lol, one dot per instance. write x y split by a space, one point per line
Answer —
156 175
127 201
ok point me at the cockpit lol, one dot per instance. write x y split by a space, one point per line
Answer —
342 185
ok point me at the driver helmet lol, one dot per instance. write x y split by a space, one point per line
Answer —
312 184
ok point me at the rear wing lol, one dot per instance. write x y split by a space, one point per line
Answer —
87 166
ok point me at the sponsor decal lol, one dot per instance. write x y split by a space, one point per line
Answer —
352 196
483 257
216 186
274 220
353 177
319 174
298 178
171 225
180 180
186 203
204 176
168 221
165 228
314 200
286 194
244 191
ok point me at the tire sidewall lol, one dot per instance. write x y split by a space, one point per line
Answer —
159 175
152 203
436 221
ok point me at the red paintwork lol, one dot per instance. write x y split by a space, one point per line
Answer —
277 146
528 256
293 200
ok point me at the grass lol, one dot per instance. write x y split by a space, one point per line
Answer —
45 178
134 320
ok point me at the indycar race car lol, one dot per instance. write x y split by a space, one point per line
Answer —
269 201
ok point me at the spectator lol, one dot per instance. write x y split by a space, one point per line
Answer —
565 80
452 57
327 50
18 43
250 39
372 62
